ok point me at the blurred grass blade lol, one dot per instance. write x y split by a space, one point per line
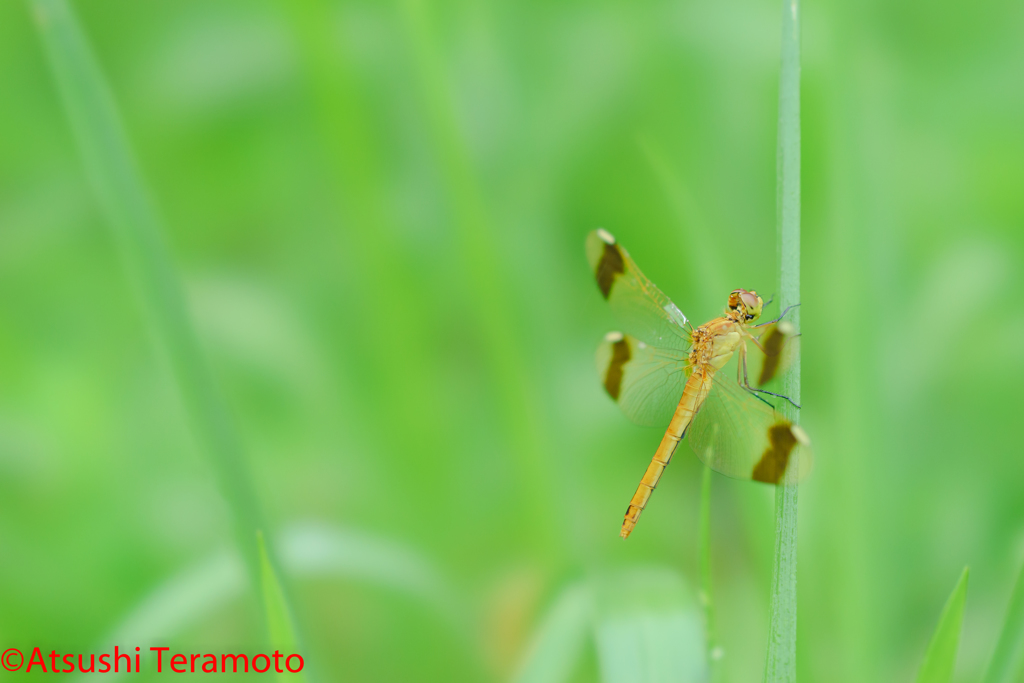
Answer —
556 647
179 603
1007 664
184 600
319 550
649 629
479 251
703 259
310 551
780 659
279 620
940 658
714 653
126 205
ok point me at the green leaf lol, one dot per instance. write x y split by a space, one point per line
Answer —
316 550
557 645
1007 664
313 551
940 658
279 620
187 598
646 624
649 629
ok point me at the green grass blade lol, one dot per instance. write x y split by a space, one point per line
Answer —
318 551
185 599
649 629
308 551
279 621
940 658
126 205
780 664
708 274
714 653
1007 664
704 259
557 645
479 250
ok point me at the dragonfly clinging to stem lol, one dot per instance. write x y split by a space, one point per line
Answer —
667 369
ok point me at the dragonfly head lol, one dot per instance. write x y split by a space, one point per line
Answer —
746 305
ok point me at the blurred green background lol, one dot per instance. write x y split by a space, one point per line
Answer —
377 213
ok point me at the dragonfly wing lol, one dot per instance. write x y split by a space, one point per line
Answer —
641 307
645 381
779 341
741 436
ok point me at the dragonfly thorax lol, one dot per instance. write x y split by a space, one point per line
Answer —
702 342
714 344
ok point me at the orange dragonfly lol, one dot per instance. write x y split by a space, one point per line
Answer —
668 370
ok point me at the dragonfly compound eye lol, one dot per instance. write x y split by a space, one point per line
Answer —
752 303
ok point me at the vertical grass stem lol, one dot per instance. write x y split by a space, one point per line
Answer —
714 653
780 664
126 206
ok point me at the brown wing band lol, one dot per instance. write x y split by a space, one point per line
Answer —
613 376
772 355
610 265
772 466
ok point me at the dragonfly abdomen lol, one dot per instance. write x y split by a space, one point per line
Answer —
693 394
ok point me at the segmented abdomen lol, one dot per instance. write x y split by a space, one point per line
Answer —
694 393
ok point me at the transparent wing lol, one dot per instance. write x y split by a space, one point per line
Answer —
645 381
641 307
780 342
741 436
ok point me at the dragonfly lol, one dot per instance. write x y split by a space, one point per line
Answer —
663 369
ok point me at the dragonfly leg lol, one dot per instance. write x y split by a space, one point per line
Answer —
781 316
741 367
771 393
744 381
757 343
